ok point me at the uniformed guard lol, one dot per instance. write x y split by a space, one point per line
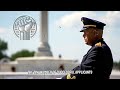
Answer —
99 58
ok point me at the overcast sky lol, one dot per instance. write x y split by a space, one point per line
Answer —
64 35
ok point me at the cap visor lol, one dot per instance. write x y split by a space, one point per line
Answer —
82 30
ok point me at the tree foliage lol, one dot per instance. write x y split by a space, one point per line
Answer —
3 48
116 65
22 53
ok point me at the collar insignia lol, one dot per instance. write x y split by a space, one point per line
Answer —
98 44
69 76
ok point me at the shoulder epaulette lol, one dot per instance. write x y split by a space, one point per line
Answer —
69 76
98 44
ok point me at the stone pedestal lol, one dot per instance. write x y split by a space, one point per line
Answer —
43 50
44 64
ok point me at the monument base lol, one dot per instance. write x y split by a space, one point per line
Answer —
44 50
44 64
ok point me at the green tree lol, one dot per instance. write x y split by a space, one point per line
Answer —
22 53
116 65
119 65
3 48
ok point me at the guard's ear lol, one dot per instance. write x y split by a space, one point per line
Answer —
95 32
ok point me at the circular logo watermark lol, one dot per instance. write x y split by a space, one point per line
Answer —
25 27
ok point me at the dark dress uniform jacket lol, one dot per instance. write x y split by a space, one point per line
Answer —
98 59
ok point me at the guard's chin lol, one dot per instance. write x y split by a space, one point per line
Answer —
87 43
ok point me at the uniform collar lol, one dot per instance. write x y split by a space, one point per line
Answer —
100 40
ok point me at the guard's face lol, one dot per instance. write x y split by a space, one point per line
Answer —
89 36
